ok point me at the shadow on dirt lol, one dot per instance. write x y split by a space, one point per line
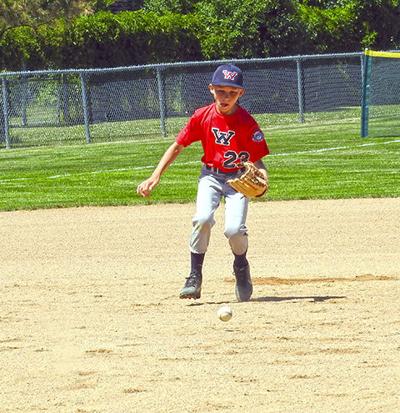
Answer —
312 298
315 298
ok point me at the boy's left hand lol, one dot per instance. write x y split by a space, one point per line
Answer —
252 183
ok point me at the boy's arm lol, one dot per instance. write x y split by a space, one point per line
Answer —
169 156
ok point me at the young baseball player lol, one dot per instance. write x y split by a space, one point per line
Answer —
229 135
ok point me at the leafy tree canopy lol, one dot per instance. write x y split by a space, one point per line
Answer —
34 12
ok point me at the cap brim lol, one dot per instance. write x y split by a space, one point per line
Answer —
227 84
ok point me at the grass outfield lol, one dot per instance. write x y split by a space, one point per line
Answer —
307 161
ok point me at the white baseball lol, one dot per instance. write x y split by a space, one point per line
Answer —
224 313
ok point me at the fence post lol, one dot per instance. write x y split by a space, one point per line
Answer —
85 107
362 70
300 94
59 99
24 92
24 100
365 95
161 98
5 112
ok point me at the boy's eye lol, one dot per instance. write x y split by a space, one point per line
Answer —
225 93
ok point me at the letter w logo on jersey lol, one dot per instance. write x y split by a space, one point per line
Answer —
229 75
223 138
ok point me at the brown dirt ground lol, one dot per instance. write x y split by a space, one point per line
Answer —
90 320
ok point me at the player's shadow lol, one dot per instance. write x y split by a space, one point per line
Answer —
315 298
270 299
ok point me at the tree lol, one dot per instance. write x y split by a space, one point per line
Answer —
247 28
377 23
349 25
329 29
35 12
174 6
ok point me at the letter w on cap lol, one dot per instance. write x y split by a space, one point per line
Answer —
229 75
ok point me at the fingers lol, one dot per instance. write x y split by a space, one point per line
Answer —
144 193
146 187
143 189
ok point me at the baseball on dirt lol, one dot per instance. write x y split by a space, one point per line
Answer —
224 313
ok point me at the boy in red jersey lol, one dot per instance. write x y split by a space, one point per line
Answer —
229 135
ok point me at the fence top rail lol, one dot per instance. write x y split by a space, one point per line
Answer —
161 66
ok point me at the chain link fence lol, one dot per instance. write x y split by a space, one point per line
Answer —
127 103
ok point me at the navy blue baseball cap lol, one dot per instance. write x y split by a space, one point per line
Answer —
227 75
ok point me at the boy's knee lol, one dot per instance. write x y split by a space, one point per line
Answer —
203 221
234 231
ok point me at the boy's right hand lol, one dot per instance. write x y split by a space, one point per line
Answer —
147 186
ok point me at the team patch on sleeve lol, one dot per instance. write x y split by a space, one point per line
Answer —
258 136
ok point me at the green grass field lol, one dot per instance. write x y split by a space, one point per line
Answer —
319 160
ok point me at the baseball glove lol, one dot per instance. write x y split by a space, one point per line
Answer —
251 182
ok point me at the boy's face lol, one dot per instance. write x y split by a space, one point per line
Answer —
226 98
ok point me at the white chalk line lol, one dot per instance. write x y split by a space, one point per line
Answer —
139 168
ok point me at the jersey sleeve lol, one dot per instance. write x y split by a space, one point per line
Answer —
189 133
258 146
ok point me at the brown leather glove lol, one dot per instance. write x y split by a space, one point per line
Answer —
251 182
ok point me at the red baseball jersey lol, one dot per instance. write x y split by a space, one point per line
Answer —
226 139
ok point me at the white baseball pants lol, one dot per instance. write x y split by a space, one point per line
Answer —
212 187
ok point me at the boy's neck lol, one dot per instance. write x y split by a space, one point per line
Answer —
231 112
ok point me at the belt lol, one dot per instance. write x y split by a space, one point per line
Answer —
219 171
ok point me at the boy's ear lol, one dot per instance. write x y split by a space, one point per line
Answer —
211 89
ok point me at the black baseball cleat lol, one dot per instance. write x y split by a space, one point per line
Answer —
192 287
243 287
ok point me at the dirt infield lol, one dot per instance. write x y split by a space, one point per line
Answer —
90 320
